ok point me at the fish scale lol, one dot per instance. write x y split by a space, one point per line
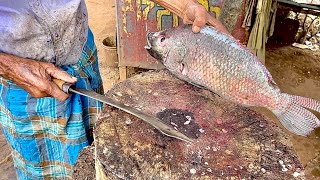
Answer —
218 62
222 75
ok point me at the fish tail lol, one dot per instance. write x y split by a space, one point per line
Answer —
295 117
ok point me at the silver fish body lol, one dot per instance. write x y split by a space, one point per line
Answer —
218 62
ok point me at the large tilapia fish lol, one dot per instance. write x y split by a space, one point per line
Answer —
218 62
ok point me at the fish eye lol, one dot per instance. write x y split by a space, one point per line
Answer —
162 41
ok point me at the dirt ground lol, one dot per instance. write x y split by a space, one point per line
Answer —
296 71
102 21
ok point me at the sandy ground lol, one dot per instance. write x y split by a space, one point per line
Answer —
102 21
296 72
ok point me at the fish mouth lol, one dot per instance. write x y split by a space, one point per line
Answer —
149 39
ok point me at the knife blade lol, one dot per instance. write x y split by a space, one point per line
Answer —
153 121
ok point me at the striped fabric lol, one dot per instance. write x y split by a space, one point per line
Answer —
45 134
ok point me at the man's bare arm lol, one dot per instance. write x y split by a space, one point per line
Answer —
192 13
175 6
34 76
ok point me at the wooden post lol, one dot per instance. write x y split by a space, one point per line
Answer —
123 73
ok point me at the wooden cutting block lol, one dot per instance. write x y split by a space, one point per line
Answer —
230 141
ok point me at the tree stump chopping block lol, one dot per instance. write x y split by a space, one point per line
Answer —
230 141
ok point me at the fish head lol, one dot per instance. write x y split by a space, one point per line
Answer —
169 47
157 45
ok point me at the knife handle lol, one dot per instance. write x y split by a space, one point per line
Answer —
64 86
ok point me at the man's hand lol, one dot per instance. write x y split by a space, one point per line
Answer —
198 16
35 76
192 13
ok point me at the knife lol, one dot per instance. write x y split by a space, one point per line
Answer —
153 121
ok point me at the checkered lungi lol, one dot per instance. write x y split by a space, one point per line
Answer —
46 135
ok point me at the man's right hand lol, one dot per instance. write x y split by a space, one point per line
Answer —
34 76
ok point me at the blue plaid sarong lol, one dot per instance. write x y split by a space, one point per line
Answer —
46 135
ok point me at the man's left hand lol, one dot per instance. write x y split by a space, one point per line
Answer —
198 16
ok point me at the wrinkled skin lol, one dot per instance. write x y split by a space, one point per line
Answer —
192 13
34 76
216 61
198 16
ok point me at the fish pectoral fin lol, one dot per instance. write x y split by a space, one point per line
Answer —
203 87
197 85
272 83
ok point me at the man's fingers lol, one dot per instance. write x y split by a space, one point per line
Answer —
196 15
38 94
34 92
60 74
186 20
217 24
198 23
196 29
50 89
56 92
200 16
